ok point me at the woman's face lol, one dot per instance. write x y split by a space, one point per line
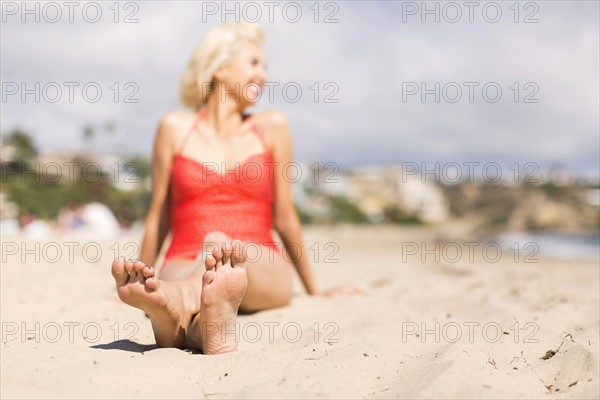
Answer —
245 76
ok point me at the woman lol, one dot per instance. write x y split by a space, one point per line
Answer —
218 179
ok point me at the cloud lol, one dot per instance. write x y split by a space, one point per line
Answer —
368 56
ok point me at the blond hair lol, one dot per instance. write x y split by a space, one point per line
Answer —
214 50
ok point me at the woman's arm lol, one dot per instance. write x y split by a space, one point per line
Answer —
286 221
158 220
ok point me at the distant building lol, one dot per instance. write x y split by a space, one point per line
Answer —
374 189
7 208
592 196
7 151
423 198
306 191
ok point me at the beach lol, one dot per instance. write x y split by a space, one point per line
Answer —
435 322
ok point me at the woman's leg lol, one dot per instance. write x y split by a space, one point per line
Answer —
178 318
269 279
171 302
224 283
269 285
269 274
170 305
180 269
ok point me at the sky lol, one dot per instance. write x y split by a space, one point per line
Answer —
394 85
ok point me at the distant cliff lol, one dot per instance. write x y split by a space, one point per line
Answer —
492 208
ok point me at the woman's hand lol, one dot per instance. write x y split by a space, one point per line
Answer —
341 290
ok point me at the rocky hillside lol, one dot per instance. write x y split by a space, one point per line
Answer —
526 207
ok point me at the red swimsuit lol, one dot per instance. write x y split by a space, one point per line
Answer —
237 202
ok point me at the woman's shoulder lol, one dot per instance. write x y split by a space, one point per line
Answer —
273 125
271 118
172 120
173 126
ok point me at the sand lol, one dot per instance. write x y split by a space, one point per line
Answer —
463 329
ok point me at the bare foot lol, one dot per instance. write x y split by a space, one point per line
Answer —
170 305
223 286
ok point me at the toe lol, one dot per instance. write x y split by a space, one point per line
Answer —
210 263
148 271
227 249
118 271
218 255
152 283
209 247
138 265
134 276
238 255
129 265
208 276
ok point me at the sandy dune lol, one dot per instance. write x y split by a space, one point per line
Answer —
464 329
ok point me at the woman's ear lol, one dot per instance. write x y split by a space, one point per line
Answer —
221 73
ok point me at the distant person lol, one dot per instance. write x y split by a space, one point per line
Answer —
92 219
70 218
218 178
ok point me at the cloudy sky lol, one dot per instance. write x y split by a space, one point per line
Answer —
373 58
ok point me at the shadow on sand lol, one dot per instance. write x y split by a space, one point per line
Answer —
126 345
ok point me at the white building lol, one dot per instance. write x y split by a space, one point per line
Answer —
423 198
